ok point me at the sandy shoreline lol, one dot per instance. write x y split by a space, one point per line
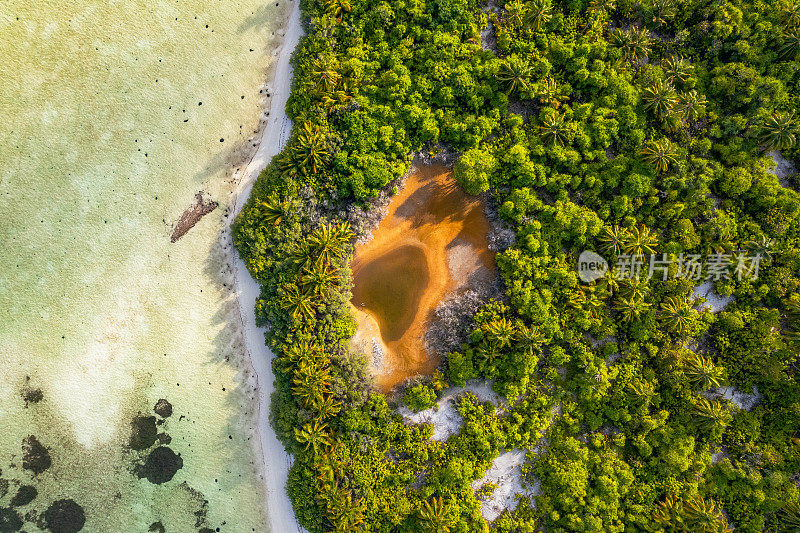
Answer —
275 460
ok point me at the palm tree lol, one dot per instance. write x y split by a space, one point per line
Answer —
528 338
791 43
631 308
702 372
499 332
585 298
660 154
643 389
515 14
691 105
640 241
270 211
329 241
303 352
790 13
668 512
319 277
596 9
660 97
696 514
762 246
434 516
634 43
613 239
711 414
676 68
602 6
554 129
663 11
299 302
337 8
348 514
550 93
488 353
328 407
324 76
789 517
635 288
780 131
303 253
537 14
438 381
514 74
310 151
340 96
609 282
703 515
314 435
677 314
311 383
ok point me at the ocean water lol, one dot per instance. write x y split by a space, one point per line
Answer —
113 115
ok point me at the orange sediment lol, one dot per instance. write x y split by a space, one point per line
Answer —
433 239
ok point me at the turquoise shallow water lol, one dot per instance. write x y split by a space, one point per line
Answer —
114 114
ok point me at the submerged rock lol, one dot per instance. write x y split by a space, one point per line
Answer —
9 520
157 527
3 487
143 432
32 396
25 495
161 465
163 408
35 456
200 208
65 516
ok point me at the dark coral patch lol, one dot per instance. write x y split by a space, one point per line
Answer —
35 456
25 495
32 396
161 465
157 527
163 408
143 432
9 520
65 516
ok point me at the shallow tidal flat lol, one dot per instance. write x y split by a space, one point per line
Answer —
432 242
115 115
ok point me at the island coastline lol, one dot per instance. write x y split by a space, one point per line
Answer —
275 461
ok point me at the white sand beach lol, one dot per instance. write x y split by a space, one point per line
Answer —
276 461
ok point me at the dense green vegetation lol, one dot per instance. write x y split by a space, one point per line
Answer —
622 126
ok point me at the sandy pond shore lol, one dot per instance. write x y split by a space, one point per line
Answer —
276 461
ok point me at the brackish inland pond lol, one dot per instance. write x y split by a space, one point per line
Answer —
432 243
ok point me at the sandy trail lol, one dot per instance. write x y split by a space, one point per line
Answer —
276 461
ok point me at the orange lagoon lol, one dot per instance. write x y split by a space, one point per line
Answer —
432 241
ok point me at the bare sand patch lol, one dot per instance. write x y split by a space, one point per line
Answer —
432 242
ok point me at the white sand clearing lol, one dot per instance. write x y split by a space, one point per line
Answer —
276 133
444 416
714 301
783 167
740 399
506 472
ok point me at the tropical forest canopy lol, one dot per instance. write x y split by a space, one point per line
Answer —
624 127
